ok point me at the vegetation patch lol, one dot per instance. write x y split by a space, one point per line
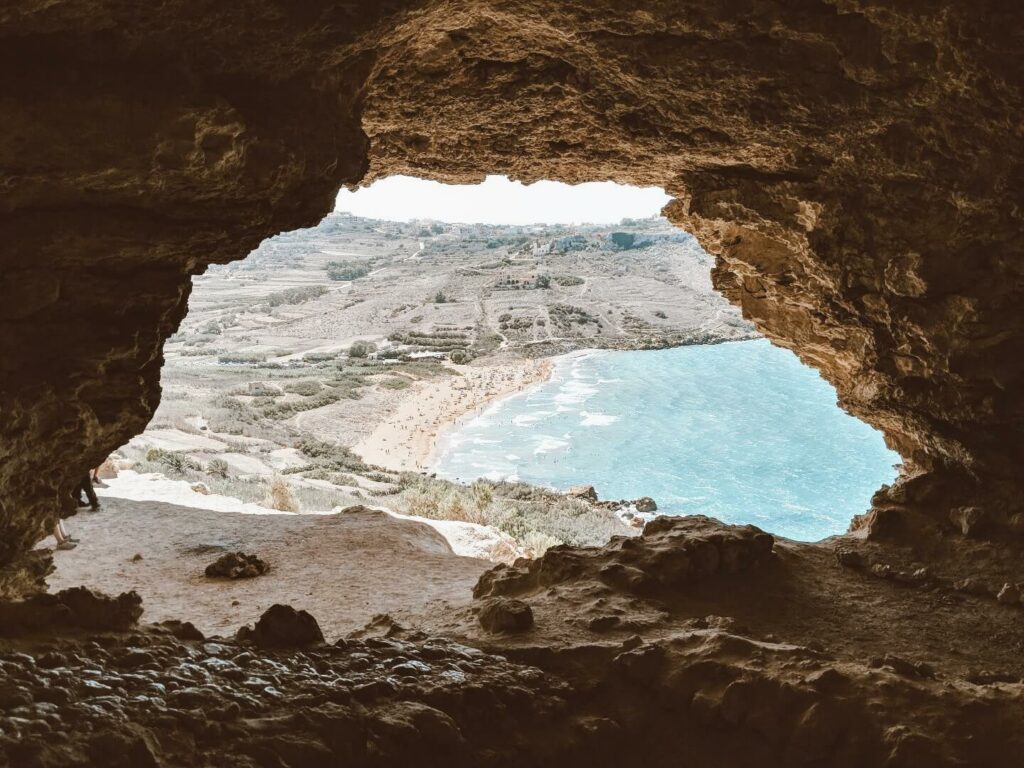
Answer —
298 295
330 456
242 358
534 517
347 271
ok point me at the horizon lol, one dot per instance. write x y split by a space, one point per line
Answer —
501 201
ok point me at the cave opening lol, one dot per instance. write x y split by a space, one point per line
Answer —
501 367
853 168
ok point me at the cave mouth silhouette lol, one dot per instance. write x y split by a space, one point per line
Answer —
847 227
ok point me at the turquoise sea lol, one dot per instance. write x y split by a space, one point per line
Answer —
741 431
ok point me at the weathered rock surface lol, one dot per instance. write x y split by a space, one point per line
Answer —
146 699
708 693
281 626
503 614
671 553
69 609
236 565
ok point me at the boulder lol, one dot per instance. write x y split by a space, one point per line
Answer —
504 614
585 492
237 565
281 626
645 505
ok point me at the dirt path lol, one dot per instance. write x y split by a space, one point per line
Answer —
343 568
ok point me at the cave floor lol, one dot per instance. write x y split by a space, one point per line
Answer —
343 568
790 658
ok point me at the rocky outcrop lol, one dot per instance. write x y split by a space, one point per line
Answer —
73 609
503 614
671 553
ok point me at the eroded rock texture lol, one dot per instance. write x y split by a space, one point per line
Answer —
855 165
754 654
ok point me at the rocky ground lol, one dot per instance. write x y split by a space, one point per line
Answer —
695 644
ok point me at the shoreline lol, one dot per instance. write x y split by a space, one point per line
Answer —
406 440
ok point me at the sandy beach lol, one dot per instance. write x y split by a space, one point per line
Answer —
405 440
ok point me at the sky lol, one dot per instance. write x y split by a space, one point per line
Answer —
500 201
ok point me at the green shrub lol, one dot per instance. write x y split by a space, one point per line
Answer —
296 295
396 382
281 411
569 280
460 356
174 462
217 468
242 358
347 271
331 455
319 357
306 388
361 349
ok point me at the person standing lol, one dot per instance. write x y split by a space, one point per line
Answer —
96 481
86 486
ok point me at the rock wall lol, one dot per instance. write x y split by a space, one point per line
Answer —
855 166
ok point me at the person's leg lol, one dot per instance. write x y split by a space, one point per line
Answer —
64 541
64 532
89 492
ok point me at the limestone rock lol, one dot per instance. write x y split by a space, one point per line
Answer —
236 565
78 608
645 505
502 614
671 552
849 558
972 521
585 492
281 626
